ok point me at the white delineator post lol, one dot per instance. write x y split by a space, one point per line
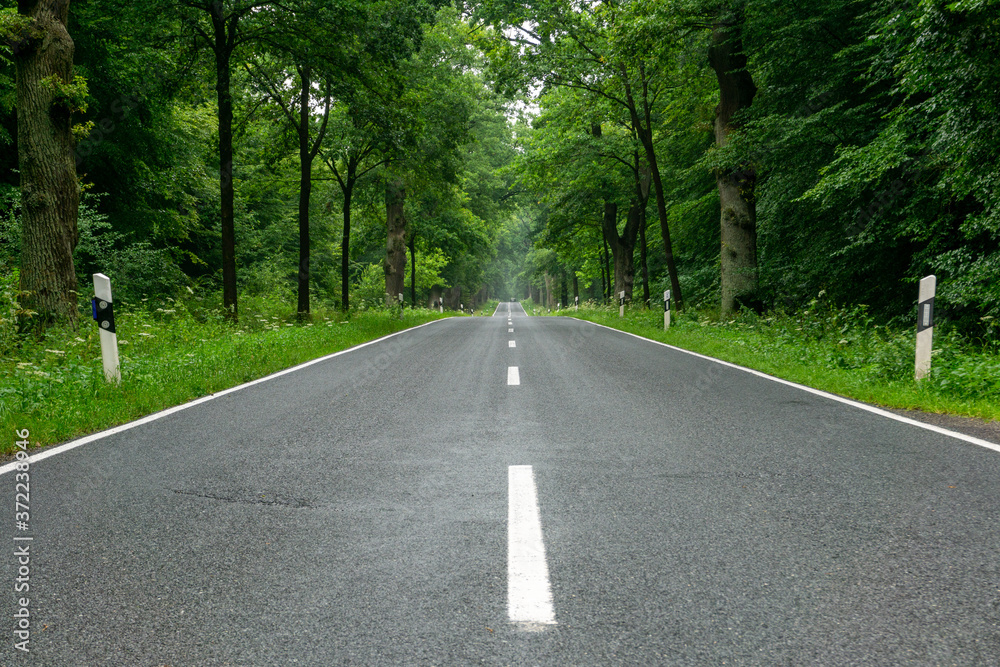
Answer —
109 339
666 310
925 325
621 304
576 303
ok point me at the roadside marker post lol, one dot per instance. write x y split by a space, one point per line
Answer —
400 299
621 304
666 310
576 303
104 314
925 326
441 305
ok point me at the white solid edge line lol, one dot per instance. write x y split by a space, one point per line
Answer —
497 310
513 376
529 595
59 449
818 392
510 343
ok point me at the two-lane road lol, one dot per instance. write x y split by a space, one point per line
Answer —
407 503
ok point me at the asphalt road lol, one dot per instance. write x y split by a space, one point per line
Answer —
356 511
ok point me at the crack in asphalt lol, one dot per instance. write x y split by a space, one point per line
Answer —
249 499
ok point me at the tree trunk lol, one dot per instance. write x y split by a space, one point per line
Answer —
622 247
600 261
395 245
345 252
305 190
413 271
50 196
224 34
607 270
644 131
736 183
661 211
642 256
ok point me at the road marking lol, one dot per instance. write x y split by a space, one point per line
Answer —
510 343
73 444
818 392
513 377
529 596
510 331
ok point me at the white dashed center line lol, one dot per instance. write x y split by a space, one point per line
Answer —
510 331
510 343
512 375
529 596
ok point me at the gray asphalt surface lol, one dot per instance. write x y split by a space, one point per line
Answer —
354 513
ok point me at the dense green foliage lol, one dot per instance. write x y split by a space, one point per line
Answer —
405 96
872 140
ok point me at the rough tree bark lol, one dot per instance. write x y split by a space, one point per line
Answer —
50 196
305 192
737 183
604 288
224 43
622 247
642 190
345 253
642 257
607 268
413 271
395 244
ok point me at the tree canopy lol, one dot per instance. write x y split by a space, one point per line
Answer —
741 154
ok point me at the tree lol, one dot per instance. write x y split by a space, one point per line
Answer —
299 115
737 183
224 27
47 94
356 155
395 243
592 47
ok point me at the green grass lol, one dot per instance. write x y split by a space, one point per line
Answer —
54 385
487 309
840 351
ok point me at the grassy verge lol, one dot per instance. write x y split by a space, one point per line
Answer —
488 308
837 350
54 385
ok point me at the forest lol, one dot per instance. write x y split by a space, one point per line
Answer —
337 156
744 154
